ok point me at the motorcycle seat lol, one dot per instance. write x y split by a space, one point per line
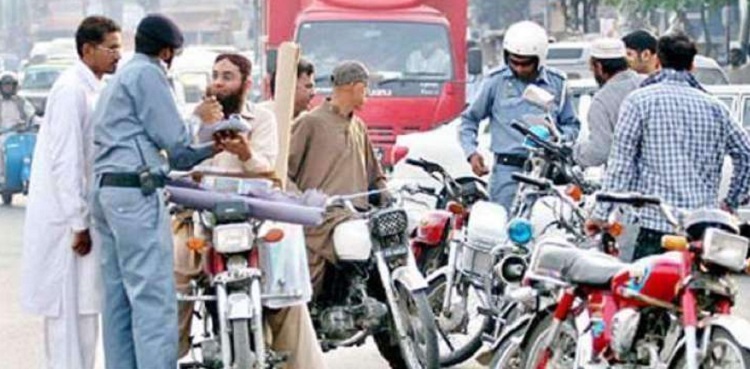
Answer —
579 267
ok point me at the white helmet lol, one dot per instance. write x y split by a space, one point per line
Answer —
527 38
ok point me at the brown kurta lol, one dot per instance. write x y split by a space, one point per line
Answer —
331 153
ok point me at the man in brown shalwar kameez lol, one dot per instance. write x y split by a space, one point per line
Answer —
330 152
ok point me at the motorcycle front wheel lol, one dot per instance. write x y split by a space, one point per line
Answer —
724 352
557 352
460 329
418 350
507 355
243 357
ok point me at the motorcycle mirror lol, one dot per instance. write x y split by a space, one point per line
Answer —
273 235
539 97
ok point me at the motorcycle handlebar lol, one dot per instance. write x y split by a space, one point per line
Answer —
635 200
542 184
547 145
427 166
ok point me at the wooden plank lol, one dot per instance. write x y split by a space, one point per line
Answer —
286 85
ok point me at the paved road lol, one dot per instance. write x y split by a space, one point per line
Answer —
21 337
21 343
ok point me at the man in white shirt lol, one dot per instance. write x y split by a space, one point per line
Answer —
430 58
60 266
249 156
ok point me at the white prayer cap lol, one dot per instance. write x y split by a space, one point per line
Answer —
608 48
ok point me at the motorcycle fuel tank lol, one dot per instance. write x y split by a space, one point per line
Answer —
432 227
656 277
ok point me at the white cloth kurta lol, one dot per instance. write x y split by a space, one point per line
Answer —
56 282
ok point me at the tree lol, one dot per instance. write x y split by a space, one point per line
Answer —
580 15
638 10
501 14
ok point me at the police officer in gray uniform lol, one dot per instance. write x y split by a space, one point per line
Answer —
500 99
136 128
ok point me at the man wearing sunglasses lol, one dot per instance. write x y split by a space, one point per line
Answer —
500 100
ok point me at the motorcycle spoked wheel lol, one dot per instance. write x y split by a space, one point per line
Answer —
457 340
562 347
507 355
724 352
420 347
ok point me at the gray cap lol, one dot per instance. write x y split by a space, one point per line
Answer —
349 71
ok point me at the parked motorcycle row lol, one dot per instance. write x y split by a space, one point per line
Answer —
536 285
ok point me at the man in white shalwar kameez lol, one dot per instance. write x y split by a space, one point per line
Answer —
60 271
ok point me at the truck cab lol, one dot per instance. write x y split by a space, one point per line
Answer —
415 51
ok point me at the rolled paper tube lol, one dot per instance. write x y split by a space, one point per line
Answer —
261 209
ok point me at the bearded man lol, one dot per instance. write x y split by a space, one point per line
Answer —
251 155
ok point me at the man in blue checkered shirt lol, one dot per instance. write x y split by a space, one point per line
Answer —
670 141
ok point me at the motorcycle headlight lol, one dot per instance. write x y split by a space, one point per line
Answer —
725 249
520 231
233 238
389 223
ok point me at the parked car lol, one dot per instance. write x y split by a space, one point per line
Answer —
571 58
708 72
737 99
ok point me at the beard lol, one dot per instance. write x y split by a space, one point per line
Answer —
232 102
599 79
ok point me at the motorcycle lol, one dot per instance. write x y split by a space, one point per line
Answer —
468 294
376 288
240 267
664 311
16 154
453 203
564 219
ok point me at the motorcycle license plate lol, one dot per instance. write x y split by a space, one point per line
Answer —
239 306
396 251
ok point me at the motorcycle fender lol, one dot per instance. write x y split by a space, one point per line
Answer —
737 327
239 306
535 321
440 272
584 342
409 277
522 323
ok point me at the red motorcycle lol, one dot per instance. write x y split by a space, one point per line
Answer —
431 237
664 311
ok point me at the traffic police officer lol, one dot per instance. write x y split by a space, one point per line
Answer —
136 128
500 99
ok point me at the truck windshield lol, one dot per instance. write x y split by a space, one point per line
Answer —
393 51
